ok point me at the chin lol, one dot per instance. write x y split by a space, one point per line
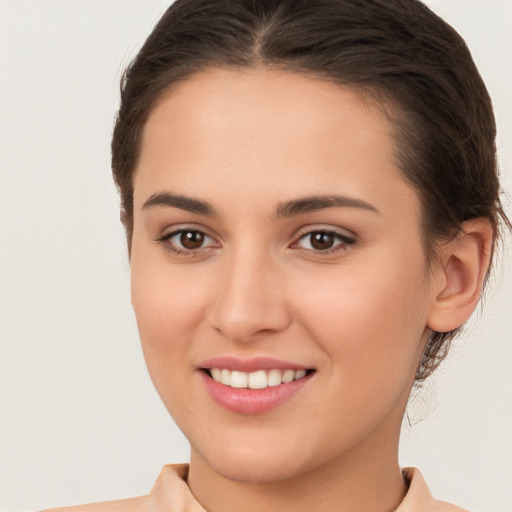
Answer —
257 464
256 471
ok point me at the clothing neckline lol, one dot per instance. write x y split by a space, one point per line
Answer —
171 492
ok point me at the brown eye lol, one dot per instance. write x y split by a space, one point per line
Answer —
192 239
187 241
321 241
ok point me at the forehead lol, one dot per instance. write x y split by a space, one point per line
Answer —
264 131
227 106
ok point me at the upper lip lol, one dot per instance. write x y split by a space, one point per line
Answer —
250 365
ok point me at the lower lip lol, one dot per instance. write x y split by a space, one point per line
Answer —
252 401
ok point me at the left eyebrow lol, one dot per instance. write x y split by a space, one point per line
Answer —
181 202
315 203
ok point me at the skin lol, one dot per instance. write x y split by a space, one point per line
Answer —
246 142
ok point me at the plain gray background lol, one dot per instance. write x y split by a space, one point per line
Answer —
79 418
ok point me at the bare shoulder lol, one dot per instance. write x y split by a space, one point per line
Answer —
443 506
140 504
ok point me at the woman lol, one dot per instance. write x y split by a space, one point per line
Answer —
311 203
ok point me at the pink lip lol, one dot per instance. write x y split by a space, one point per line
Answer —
250 365
251 401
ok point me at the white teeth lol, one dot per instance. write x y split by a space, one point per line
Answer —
274 378
239 379
225 377
255 380
258 380
288 376
299 374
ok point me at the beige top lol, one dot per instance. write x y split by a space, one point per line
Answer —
171 494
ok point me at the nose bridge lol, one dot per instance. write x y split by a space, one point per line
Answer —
250 298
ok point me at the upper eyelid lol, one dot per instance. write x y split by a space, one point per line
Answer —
314 226
325 229
171 234
298 235
344 240
180 228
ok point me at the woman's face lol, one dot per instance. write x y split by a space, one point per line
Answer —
273 232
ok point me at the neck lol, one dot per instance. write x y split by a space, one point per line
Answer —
368 479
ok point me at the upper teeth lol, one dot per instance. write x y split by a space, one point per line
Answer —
255 380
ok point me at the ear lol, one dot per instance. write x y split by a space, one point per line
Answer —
459 275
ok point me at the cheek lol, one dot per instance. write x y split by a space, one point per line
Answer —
168 307
369 317
165 296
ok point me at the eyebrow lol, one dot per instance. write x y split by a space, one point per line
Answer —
287 209
315 203
182 202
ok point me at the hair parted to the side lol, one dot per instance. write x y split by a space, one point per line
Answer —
397 52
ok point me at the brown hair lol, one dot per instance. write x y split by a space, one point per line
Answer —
397 51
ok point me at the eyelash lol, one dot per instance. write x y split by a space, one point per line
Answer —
342 246
165 241
343 239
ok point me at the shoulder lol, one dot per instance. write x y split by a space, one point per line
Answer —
140 504
419 497
170 492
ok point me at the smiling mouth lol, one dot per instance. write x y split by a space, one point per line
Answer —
259 379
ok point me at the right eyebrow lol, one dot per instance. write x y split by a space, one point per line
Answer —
316 203
178 201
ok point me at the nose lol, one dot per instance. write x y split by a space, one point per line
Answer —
250 299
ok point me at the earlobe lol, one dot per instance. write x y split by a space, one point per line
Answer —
461 271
